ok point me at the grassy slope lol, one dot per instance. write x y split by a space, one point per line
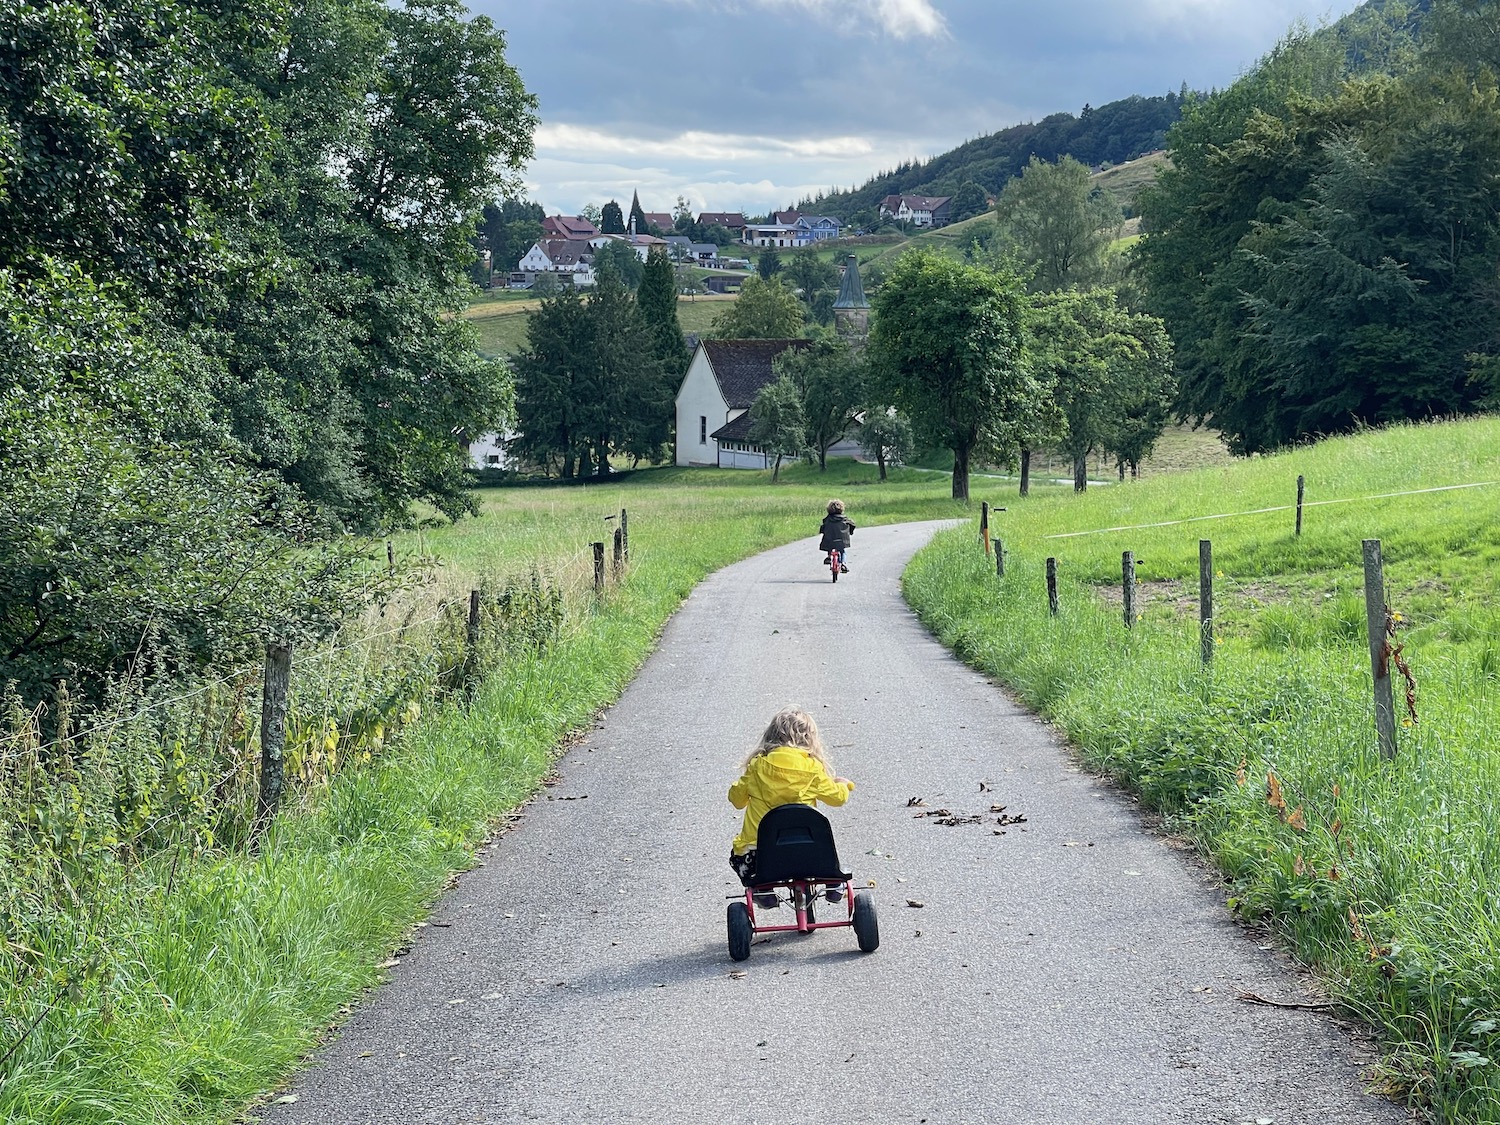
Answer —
1382 874
231 966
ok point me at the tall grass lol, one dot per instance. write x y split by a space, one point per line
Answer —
209 969
1382 875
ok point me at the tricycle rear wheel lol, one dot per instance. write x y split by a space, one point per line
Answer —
738 917
866 926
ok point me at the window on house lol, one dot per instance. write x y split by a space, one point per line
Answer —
702 429
492 459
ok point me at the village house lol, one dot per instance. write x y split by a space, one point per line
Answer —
918 210
658 219
732 221
713 403
791 228
569 227
570 260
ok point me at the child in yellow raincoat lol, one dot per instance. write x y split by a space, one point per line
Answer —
787 768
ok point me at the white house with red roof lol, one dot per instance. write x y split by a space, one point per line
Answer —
918 210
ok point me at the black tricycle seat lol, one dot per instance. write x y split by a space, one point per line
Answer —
795 842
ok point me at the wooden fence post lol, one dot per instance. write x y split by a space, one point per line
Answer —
390 556
1206 600
999 558
1052 586
276 686
619 555
624 535
1301 484
1380 664
598 568
471 633
1127 572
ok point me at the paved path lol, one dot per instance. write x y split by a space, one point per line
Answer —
1075 970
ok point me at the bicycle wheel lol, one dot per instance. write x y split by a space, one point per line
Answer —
833 563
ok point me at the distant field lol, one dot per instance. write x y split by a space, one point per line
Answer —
501 320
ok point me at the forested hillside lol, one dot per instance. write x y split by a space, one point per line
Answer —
1111 133
1323 246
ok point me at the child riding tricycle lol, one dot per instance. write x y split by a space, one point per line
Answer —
784 852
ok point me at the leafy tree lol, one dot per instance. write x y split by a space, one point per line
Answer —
886 436
682 211
618 258
593 214
131 542
968 201
719 235
947 350
1110 371
810 273
1052 220
589 384
830 377
778 425
611 219
764 310
768 263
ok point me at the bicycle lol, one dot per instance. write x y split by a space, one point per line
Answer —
835 562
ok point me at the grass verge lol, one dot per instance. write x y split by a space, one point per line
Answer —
1383 875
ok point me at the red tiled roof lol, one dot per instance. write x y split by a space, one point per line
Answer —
743 367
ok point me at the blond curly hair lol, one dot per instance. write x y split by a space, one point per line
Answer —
791 727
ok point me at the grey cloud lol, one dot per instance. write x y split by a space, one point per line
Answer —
662 68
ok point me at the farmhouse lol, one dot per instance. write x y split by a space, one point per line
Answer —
918 210
568 259
713 404
568 226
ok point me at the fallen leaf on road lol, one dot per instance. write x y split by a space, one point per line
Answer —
955 821
286 1099
1006 818
997 808
456 1000
984 786
1135 873
738 974
915 902
1072 843
915 803
391 964
366 1054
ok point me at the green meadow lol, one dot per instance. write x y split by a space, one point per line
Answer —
1381 874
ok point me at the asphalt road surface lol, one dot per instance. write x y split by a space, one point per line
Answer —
1070 970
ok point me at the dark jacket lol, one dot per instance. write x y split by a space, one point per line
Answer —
837 531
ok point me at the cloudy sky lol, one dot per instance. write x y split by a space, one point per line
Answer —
749 105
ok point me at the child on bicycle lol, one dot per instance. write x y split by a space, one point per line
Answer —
787 768
837 530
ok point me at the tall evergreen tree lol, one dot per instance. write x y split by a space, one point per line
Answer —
638 223
656 298
611 219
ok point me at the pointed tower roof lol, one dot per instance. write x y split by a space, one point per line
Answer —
851 290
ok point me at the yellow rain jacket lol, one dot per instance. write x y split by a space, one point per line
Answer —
787 775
